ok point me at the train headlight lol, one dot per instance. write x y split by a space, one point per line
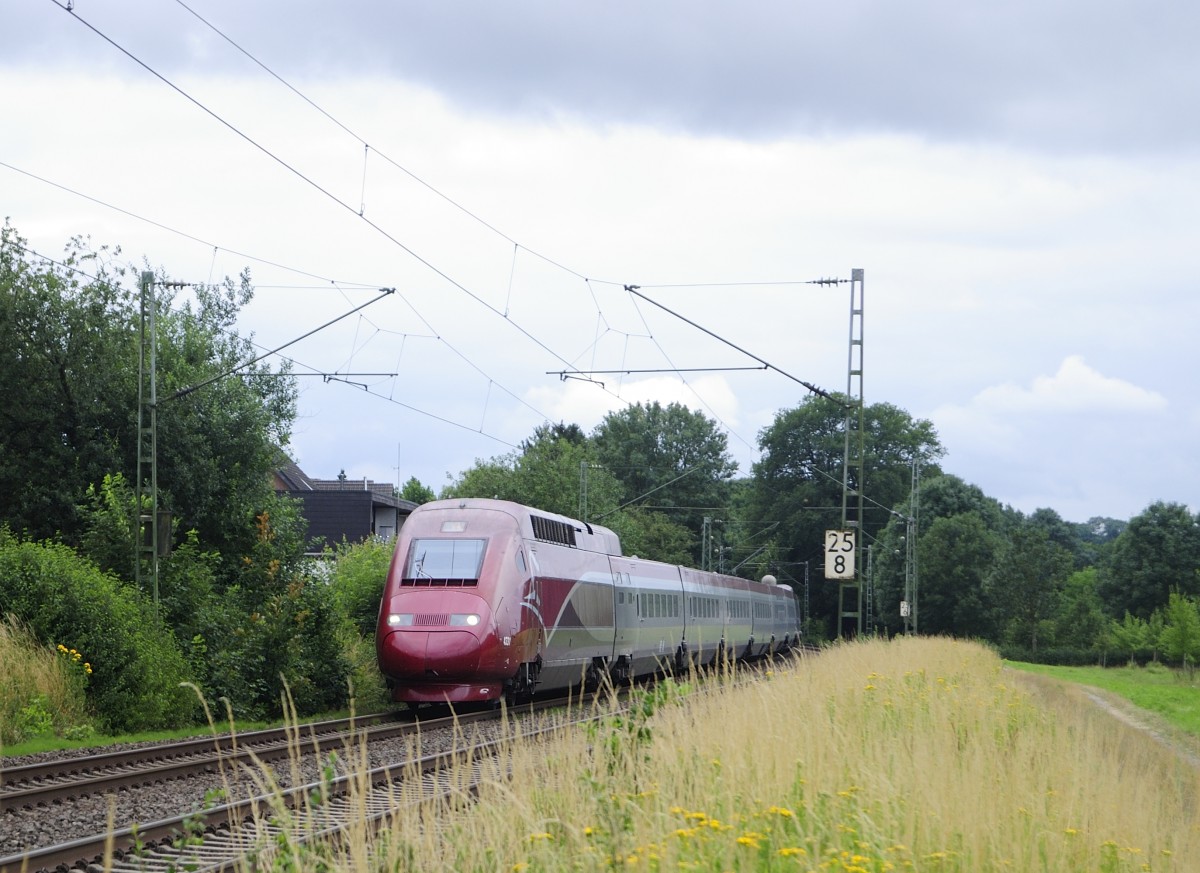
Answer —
461 620
402 619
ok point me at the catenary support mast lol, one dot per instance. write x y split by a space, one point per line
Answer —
850 592
146 539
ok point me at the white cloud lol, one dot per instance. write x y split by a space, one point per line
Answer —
1075 388
1078 441
1004 419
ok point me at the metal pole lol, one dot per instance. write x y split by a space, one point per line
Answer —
583 491
852 497
908 563
914 516
147 443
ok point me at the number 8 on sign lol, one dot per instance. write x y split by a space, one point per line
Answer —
839 554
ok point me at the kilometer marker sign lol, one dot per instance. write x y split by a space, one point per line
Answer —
839 554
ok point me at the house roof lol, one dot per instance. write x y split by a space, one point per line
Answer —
290 478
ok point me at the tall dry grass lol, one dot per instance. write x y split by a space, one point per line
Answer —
41 692
915 754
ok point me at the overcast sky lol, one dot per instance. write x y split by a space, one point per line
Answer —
1019 183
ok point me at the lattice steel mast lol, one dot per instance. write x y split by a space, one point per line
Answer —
853 466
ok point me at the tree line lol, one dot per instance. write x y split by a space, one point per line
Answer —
246 617
1035 585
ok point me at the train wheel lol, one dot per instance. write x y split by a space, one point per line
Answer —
519 689
621 672
595 676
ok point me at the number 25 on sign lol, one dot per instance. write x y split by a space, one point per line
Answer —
839 554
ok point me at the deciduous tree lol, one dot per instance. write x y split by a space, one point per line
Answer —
69 349
956 553
668 458
1180 637
1027 582
797 483
1158 552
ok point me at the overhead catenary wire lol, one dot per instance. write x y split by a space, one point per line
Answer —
689 385
383 292
315 371
318 187
334 284
516 245
385 233
182 233
633 289
428 186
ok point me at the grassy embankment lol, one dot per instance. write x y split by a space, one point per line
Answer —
43 701
914 754
41 690
905 755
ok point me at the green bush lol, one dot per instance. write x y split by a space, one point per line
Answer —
357 578
1060 656
370 689
66 600
251 644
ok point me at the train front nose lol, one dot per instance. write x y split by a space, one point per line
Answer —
434 640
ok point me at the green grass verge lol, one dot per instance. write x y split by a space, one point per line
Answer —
1172 694
51 743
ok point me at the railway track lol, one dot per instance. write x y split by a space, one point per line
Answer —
40 784
218 836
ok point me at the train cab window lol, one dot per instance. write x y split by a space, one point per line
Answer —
444 562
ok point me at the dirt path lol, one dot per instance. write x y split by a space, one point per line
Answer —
1185 746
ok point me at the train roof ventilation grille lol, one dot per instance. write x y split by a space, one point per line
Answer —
553 531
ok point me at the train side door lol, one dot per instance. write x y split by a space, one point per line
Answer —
531 597
625 612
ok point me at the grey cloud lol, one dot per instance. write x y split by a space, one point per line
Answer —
1077 76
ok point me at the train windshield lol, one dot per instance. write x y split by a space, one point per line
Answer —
433 561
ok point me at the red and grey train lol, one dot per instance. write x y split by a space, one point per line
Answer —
488 599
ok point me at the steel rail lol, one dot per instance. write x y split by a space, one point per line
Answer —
220 837
36 785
